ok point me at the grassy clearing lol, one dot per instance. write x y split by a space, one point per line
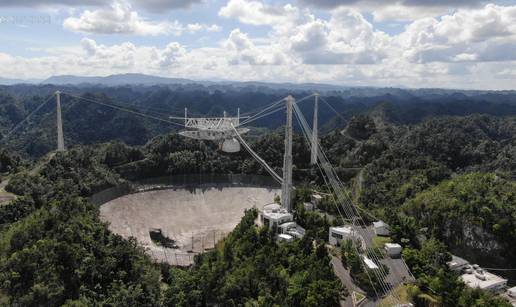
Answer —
403 292
378 242
4 299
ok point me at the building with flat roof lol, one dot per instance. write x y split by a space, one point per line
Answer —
393 249
381 228
277 218
273 215
337 234
292 229
285 237
457 263
369 263
512 292
484 280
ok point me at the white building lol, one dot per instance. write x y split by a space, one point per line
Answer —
337 234
316 199
369 263
393 249
512 292
457 264
484 280
292 229
273 215
381 228
285 238
309 206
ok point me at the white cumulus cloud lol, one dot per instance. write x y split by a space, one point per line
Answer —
119 18
485 34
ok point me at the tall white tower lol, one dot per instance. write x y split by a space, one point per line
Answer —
60 138
286 189
315 136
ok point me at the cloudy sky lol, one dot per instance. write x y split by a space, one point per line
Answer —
414 43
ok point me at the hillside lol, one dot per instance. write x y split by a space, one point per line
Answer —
413 164
37 136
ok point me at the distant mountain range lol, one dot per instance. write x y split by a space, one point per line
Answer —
7 81
148 80
115 80
136 79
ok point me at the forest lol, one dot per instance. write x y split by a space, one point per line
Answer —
37 136
431 179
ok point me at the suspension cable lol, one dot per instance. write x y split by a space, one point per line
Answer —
332 108
245 122
124 109
269 169
335 201
260 110
19 124
281 107
352 214
252 118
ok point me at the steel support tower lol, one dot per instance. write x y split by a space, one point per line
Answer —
315 136
286 189
60 138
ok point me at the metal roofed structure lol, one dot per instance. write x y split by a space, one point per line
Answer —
457 263
215 129
484 280
370 263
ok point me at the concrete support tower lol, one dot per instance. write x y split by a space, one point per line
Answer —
286 189
60 138
315 134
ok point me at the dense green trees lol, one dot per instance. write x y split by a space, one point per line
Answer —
476 211
63 253
9 162
251 269
441 286
361 127
54 249
58 251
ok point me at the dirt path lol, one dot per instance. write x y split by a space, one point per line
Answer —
5 196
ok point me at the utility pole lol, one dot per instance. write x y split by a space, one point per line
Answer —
315 134
60 138
286 189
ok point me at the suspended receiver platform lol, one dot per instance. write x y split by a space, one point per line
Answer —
217 129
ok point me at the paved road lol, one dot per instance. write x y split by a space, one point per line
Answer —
398 271
344 277
346 280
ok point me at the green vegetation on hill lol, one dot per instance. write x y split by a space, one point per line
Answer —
251 269
476 210
54 249
62 254
89 123
9 162
432 182
437 286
